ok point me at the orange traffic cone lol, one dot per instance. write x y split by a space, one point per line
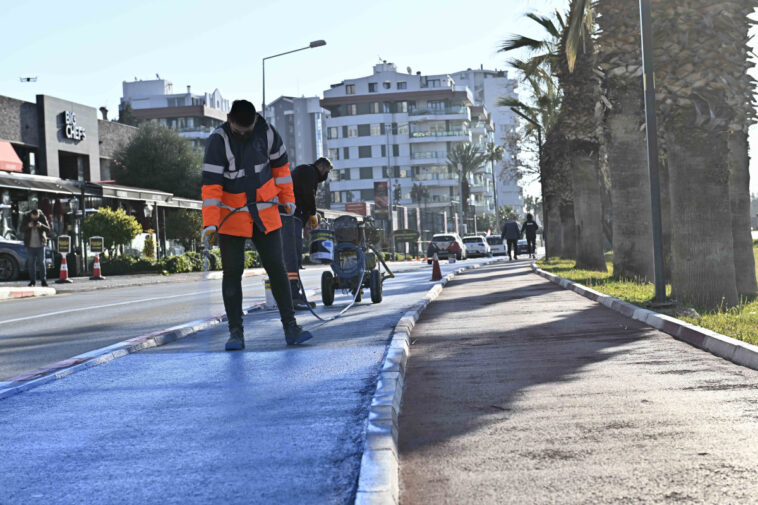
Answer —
97 274
63 278
436 272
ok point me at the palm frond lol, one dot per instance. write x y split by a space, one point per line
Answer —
581 22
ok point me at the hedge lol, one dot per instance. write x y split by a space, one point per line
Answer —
187 262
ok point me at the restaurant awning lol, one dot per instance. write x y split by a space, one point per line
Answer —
149 195
45 184
9 160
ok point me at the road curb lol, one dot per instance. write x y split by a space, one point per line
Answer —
736 351
378 480
21 292
248 272
61 369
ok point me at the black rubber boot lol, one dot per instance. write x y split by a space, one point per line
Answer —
294 334
236 340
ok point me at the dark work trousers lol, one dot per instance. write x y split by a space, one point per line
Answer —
269 249
292 238
532 243
35 264
512 246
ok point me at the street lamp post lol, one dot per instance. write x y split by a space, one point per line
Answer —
648 81
315 43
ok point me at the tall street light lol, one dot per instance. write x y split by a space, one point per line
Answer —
648 81
315 43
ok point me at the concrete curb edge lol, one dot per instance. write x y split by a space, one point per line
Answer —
22 292
103 355
723 346
378 480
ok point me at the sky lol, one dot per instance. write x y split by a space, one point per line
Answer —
82 51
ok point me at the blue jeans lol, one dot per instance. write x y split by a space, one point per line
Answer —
35 262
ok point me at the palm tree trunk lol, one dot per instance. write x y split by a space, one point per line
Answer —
588 207
552 226
568 230
701 232
739 196
630 186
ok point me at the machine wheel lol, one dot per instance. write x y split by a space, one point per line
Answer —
327 288
375 284
8 268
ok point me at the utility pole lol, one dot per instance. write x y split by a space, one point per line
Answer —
648 82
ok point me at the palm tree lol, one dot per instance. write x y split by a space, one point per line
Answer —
620 60
703 91
419 194
538 73
465 159
493 154
581 96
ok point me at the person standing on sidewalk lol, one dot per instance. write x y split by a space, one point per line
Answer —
511 233
529 228
246 176
35 227
305 179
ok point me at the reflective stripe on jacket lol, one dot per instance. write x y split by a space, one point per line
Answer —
253 173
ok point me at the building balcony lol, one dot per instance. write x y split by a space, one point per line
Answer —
439 112
448 133
429 155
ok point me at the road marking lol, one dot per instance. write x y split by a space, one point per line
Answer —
100 307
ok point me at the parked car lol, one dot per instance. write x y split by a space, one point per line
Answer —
522 247
497 246
476 245
13 259
446 245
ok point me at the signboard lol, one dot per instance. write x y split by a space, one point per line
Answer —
96 244
71 129
380 199
405 235
357 208
64 244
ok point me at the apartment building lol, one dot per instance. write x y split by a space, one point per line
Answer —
487 88
301 124
193 115
398 128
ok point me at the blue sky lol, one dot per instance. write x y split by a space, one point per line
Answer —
83 50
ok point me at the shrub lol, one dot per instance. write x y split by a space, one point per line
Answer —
115 226
196 260
176 264
119 265
149 249
215 259
252 260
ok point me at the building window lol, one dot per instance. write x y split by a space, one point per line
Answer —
364 151
350 89
384 150
364 130
401 107
376 108
332 132
345 153
402 85
433 83
352 131
351 110
334 154
387 84
372 87
336 197
395 149
377 129
367 195
436 105
387 107
367 172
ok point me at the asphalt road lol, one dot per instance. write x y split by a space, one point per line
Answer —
188 423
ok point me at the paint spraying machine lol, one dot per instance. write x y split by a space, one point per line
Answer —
348 248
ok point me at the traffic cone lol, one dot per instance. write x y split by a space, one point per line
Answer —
436 272
63 278
97 274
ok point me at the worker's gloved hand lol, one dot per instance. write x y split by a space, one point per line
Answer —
313 222
209 232
290 208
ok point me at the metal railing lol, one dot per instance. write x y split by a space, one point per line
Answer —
449 133
427 155
439 112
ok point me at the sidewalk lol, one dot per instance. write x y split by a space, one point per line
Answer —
518 391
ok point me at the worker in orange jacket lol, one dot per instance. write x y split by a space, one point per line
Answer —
246 178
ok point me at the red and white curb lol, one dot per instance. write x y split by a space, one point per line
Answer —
729 348
6 293
103 355
378 481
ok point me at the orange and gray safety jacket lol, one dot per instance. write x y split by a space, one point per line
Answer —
254 172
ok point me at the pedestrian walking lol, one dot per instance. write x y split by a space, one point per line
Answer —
305 179
35 227
529 228
511 233
246 176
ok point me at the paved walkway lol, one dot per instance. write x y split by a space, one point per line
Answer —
518 391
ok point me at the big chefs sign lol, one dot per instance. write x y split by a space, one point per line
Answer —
70 128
